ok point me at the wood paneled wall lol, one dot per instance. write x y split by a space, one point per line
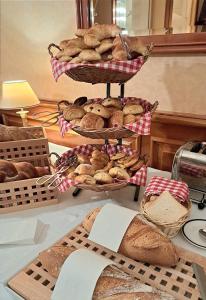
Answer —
169 132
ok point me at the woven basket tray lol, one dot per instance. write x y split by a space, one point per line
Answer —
170 229
25 194
35 283
104 72
112 133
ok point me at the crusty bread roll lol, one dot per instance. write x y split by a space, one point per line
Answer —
129 119
87 179
92 121
113 283
85 169
65 58
97 109
119 173
116 119
112 102
89 55
103 178
13 133
132 109
105 45
142 241
73 112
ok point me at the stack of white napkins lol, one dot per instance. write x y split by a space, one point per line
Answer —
21 231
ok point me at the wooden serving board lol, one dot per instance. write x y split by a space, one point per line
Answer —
34 282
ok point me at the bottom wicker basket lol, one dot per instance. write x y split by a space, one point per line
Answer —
170 229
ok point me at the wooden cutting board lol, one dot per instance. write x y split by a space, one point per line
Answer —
34 283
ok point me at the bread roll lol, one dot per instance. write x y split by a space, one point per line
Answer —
116 119
89 55
92 121
113 283
142 241
85 169
73 112
87 179
97 109
103 178
132 109
104 46
129 119
112 102
119 173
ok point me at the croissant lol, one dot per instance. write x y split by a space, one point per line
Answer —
13 171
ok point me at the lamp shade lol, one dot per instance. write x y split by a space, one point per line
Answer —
17 94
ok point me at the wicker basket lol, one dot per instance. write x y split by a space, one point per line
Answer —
109 133
170 229
97 74
25 194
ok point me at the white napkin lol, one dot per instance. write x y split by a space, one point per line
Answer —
20 232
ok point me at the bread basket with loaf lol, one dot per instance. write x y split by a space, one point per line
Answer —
109 118
102 168
99 55
166 203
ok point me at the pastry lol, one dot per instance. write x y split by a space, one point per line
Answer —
142 241
83 159
104 46
98 32
129 119
70 51
98 163
118 155
103 178
119 53
132 109
97 154
85 169
76 42
116 119
129 161
92 121
80 32
13 133
119 173
165 208
97 109
76 60
106 168
87 179
65 58
112 102
73 112
113 283
72 175
89 55
137 165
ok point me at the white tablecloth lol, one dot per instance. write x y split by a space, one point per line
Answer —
63 216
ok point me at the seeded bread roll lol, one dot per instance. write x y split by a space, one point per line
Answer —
142 241
92 121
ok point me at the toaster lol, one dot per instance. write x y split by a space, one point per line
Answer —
189 165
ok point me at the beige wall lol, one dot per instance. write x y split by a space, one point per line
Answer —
27 27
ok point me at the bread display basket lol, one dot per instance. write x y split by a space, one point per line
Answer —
140 127
101 72
138 177
179 190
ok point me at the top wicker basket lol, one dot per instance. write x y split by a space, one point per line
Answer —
101 72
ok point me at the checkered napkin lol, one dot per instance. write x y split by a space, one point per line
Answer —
191 170
138 179
178 189
141 127
129 66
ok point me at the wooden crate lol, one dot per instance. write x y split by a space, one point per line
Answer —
25 194
34 282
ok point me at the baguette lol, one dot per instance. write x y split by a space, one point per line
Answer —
142 241
113 283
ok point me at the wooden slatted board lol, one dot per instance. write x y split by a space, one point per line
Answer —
34 283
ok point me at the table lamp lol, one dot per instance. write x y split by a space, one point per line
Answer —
18 94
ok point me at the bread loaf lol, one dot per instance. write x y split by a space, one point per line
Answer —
142 241
113 284
13 133
13 171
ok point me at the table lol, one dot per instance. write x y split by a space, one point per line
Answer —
65 215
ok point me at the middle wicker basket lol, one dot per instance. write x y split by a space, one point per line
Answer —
138 177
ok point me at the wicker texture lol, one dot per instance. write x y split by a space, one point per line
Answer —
170 229
25 194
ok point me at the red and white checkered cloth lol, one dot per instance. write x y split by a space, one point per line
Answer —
192 170
141 127
139 178
129 66
178 189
